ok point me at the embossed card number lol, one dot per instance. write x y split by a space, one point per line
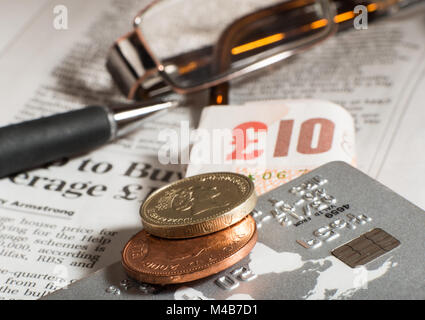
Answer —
313 198
333 230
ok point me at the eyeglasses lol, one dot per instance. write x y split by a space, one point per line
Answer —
190 45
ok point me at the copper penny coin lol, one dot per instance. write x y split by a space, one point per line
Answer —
155 260
198 205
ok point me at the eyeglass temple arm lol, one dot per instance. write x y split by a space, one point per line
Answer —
235 33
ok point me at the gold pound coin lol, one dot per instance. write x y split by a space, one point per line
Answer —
198 205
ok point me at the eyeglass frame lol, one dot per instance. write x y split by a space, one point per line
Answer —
158 71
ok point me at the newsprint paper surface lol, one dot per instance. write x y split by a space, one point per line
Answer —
63 222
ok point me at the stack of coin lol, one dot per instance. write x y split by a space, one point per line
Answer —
193 228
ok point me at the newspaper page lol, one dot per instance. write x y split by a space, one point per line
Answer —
16 19
63 221
377 74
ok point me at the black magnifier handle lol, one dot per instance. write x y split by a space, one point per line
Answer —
33 143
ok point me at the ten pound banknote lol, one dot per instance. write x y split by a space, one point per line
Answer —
272 142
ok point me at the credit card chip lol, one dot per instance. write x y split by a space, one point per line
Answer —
366 248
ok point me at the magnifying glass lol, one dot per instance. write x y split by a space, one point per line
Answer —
182 46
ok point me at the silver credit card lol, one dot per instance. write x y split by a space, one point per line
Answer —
333 233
